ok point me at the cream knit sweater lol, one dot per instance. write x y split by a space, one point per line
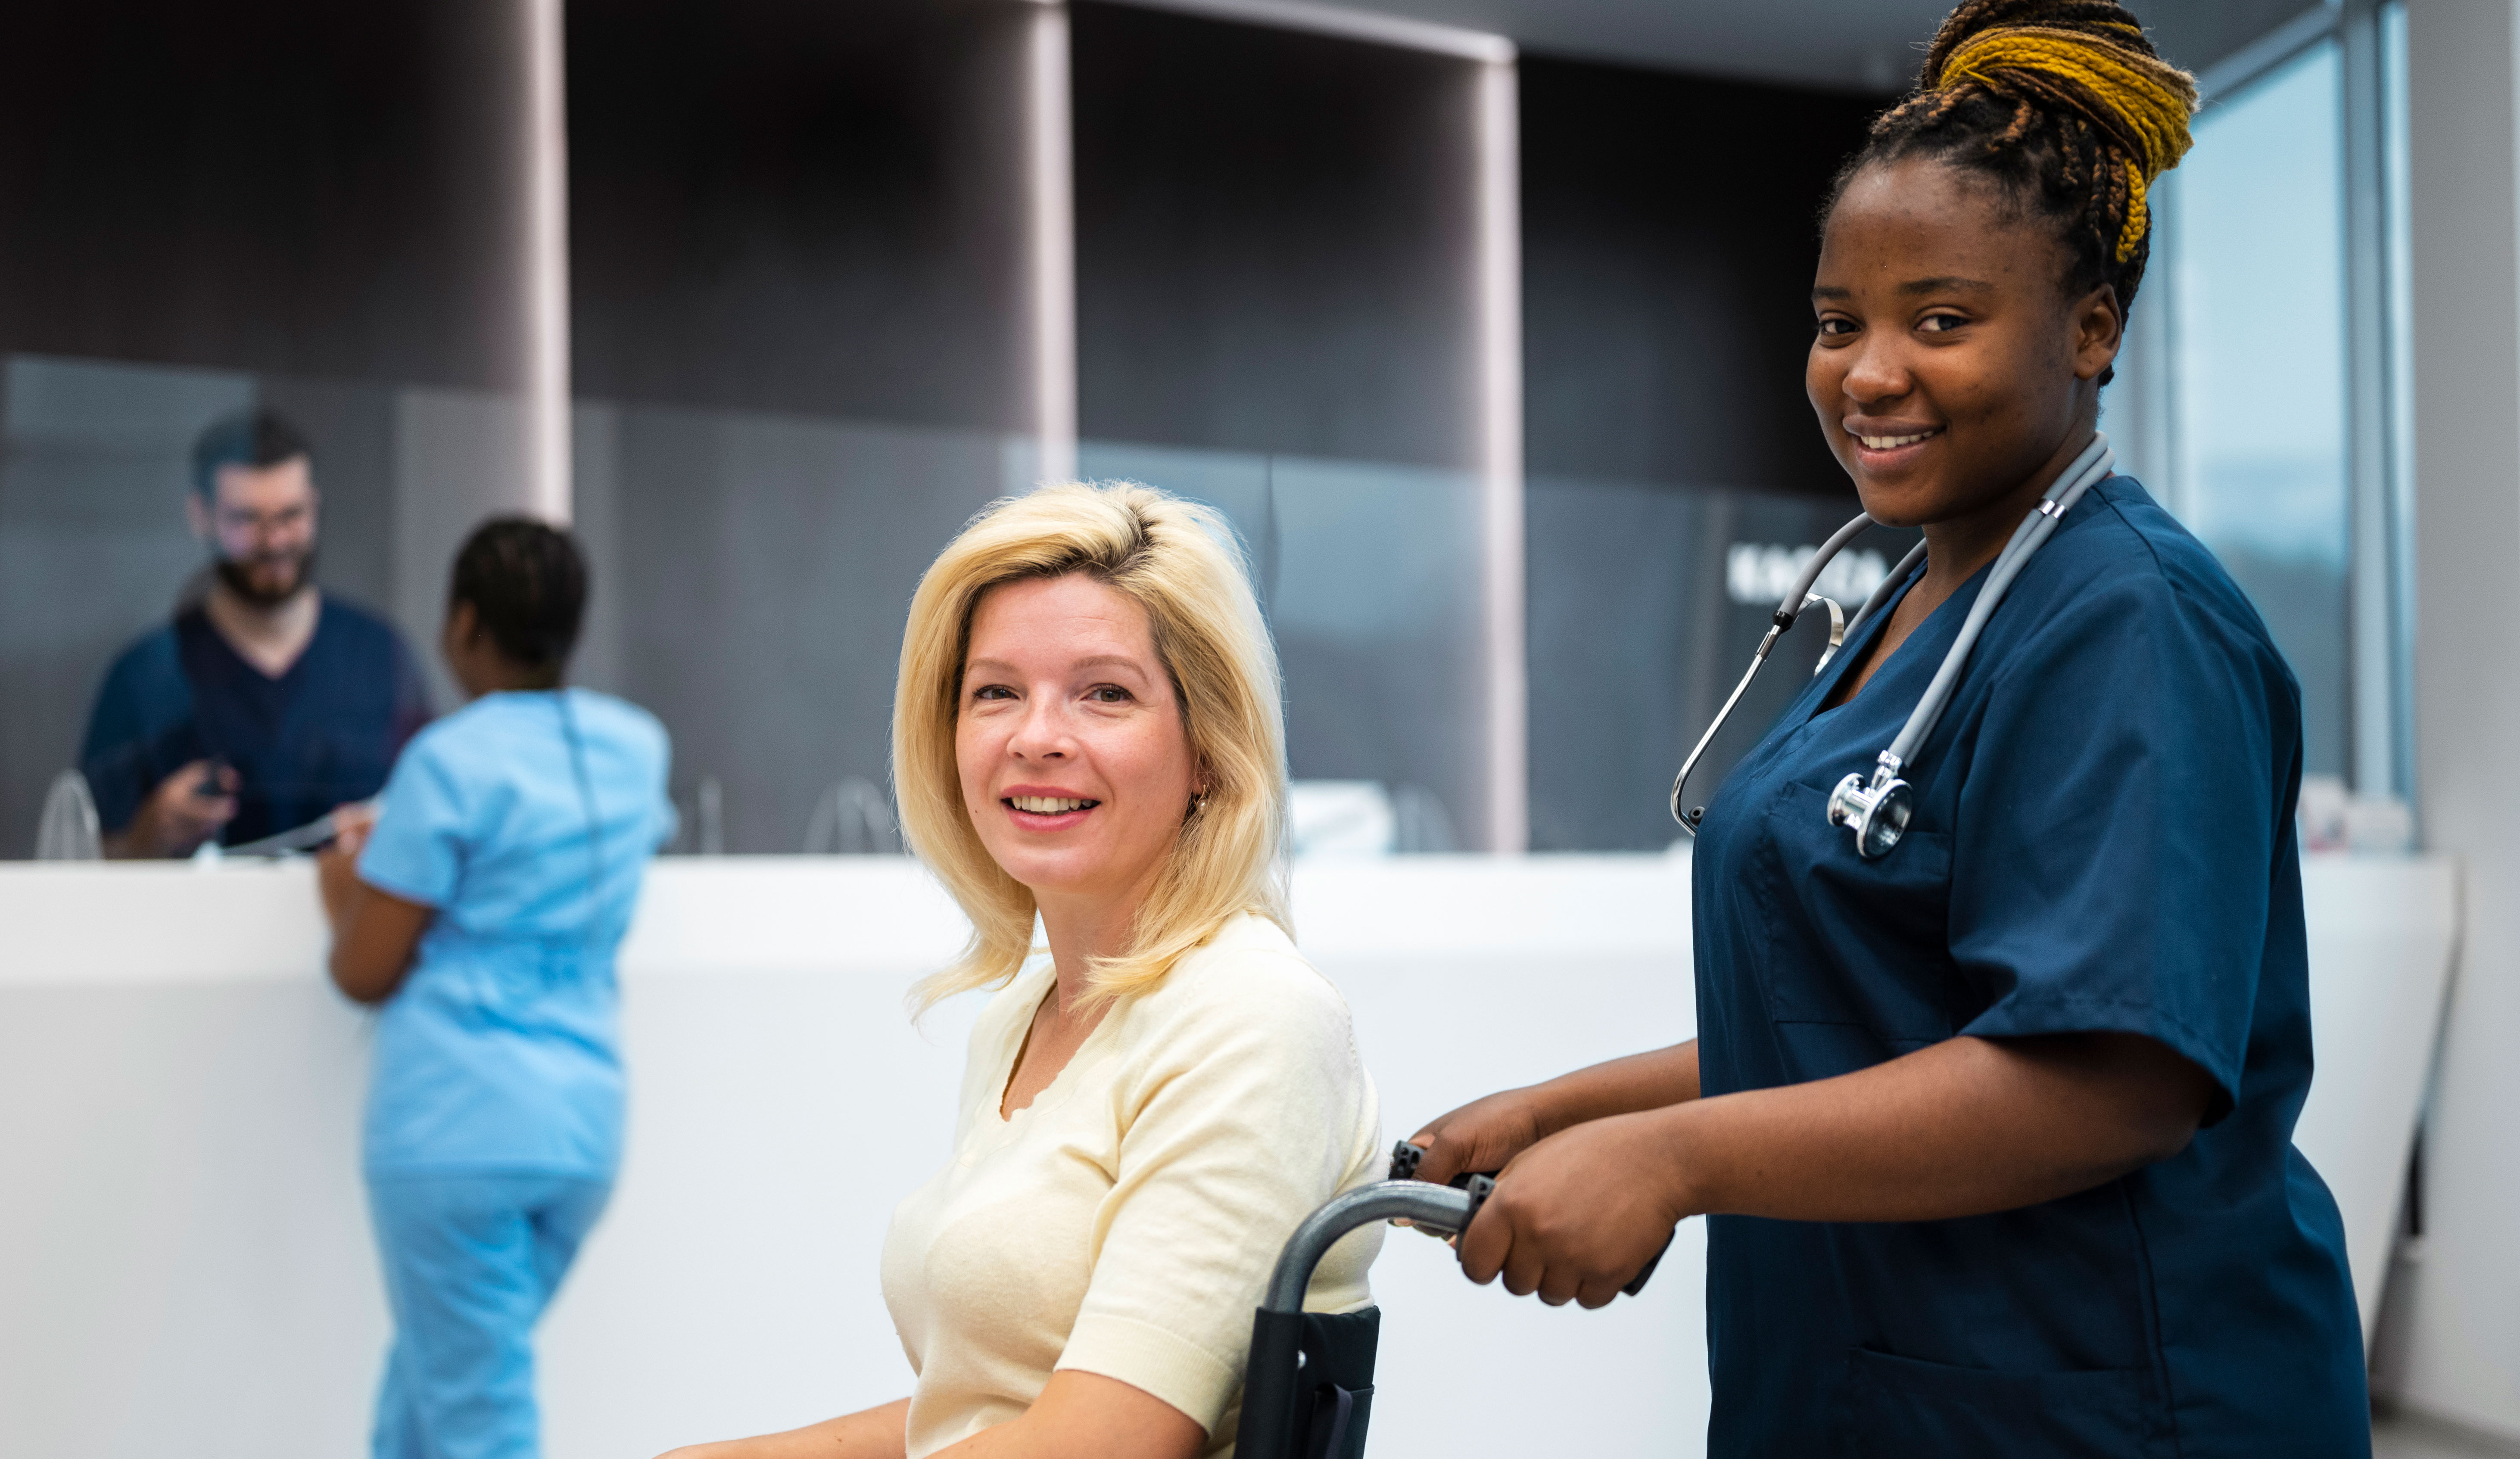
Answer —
1124 1222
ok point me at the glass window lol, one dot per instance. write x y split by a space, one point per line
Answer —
94 548
2255 270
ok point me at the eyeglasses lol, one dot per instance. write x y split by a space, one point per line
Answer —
242 519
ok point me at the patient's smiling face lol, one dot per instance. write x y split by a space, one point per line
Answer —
1075 765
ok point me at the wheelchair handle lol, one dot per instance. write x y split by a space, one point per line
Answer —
1439 1207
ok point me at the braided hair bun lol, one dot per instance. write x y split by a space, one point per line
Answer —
2066 107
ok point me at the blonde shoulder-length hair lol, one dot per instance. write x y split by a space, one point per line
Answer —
1178 562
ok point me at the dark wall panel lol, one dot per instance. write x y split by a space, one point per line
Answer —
1275 240
801 271
1669 237
782 204
303 188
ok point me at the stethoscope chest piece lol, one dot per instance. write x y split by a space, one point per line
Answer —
1877 812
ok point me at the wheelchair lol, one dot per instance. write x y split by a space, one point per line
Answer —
1308 1390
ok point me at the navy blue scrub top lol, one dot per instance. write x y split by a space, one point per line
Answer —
2103 840
321 735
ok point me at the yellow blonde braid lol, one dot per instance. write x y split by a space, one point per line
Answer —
2148 99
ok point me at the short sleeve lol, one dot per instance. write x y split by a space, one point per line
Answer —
2114 852
424 829
1249 1121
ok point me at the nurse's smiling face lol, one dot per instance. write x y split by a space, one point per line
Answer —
1953 376
1075 765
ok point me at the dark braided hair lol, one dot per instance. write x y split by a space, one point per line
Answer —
526 583
2066 107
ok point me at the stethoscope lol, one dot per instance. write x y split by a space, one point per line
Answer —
1877 812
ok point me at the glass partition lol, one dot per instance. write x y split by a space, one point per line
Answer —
94 548
753 579
288 206
1278 314
800 314
97 551
1368 574
807 284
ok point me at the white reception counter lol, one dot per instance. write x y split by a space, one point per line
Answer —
184 1264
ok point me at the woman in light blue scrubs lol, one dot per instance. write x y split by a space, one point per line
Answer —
1993 1131
482 909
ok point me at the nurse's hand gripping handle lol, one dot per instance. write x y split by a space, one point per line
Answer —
1478 1187
1309 1388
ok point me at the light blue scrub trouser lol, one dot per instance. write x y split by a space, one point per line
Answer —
471 1262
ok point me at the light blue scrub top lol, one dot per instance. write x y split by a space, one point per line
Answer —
501 1050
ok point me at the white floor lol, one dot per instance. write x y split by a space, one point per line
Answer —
2405 1437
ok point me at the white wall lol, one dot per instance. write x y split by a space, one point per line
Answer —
2461 1358
184 1263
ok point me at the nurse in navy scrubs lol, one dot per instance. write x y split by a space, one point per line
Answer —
1993 1132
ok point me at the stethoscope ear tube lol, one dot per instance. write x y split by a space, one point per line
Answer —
1888 589
1837 626
1689 819
2090 467
1800 597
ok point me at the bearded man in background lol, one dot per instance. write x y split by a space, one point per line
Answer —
265 703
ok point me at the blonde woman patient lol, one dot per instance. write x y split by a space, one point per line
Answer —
1087 727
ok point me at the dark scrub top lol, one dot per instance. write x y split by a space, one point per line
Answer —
2103 840
322 733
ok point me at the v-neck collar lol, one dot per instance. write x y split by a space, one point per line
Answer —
1851 654
210 629
1062 1084
1870 631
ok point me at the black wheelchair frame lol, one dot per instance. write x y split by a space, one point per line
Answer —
1308 1390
